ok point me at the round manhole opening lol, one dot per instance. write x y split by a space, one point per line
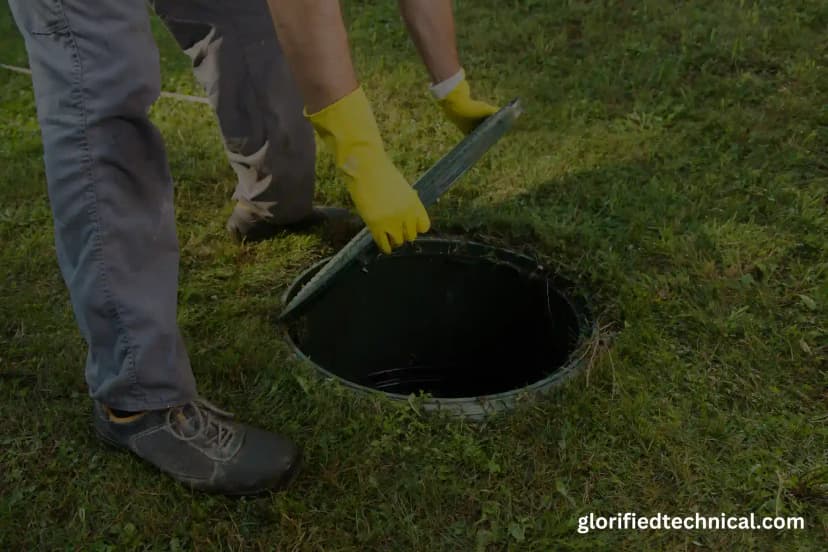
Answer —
470 325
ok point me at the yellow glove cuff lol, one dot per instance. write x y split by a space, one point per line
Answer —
348 127
457 98
444 88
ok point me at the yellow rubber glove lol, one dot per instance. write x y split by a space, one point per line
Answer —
387 203
462 110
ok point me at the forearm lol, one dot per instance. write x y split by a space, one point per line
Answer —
430 24
315 44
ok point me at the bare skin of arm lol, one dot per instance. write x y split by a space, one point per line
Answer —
430 24
315 43
313 37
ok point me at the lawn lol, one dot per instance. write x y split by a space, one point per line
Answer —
673 161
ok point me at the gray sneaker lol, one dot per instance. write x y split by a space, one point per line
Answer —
199 445
249 225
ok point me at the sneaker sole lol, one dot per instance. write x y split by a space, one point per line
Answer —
285 482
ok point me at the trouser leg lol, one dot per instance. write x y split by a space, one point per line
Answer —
95 71
237 59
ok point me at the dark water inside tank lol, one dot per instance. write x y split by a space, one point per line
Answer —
450 326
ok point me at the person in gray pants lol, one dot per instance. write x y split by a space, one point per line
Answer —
237 59
96 72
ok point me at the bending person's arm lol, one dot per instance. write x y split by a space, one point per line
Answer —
315 44
430 24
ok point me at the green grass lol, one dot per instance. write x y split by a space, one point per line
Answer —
673 160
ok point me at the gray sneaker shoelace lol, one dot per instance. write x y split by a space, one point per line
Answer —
201 419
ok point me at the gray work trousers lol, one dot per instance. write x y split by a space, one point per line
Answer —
237 59
95 70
